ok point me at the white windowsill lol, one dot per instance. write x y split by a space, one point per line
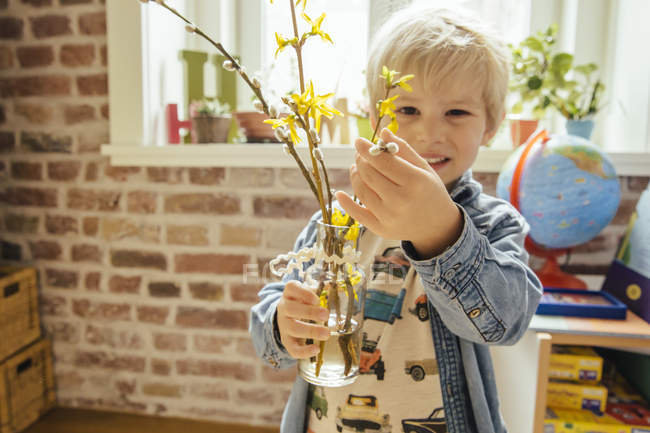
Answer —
271 155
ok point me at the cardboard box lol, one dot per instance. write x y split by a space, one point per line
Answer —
631 413
585 421
575 363
570 395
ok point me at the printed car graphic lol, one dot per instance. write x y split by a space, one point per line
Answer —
419 369
420 310
392 262
434 423
317 401
370 361
361 415
383 306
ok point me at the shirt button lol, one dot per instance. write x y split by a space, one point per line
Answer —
449 274
474 313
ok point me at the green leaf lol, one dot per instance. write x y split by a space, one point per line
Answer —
534 83
561 63
533 43
586 69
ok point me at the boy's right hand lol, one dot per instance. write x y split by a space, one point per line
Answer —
297 307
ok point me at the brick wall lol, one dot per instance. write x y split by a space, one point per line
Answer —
140 267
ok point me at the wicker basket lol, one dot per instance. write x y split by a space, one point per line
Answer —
19 322
26 387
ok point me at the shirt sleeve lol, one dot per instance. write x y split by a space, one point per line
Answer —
482 286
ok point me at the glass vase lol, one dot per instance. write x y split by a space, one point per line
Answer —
338 280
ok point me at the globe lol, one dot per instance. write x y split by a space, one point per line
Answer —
565 187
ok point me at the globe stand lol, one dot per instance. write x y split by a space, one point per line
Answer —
550 273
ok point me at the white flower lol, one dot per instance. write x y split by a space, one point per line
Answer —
375 150
392 147
258 105
285 147
318 154
273 111
190 27
228 65
256 82
280 133
314 135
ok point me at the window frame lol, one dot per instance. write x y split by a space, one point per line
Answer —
130 130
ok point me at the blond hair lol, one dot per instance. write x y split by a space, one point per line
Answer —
439 45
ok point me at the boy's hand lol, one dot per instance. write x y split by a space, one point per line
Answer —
297 306
403 198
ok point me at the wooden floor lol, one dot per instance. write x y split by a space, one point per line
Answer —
62 420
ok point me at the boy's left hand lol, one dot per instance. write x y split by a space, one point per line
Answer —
403 198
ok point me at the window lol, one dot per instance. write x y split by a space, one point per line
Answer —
145 72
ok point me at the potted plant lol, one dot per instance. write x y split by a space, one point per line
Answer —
579 99
536 72
210 121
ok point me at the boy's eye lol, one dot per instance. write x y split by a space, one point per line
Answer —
457 112
409 111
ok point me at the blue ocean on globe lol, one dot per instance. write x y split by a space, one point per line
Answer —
568 193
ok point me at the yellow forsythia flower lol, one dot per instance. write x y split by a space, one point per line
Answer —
386 106
315 27
323 298
283 43
402 82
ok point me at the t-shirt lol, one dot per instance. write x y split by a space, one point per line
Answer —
398 387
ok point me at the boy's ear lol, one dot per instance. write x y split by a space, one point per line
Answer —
489 135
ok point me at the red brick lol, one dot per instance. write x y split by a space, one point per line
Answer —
210 263
126 228
105 111
51 305
45 143
20 223
114 338
73 2
169 342
138 259
637 183
103 52
120 174
195 317
33 113
38 3
274 375
23 170
165 174
166 390
143 202
11 28
255 396
3 116
91 171
187 235
240 235
245 348
206 291
61 278
93 84
35 56
90 226
74 114
61 224
248 176
74 55
83 199
10 251
215 204
90 142
93 23
92 281
156 315
86 253
207 176
7 141
125 387
101 310
164 290
45 250
64 332
122 284
284 207
6 58
109 361
46 85
160 367
63 170
212 344
45 197
50 25
244 293
210 391
231 370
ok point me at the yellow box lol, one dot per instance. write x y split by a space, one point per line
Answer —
585 421
575 363
569 395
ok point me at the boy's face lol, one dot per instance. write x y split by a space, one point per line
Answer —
445 125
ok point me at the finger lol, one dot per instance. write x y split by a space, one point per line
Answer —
373 177
405 151
359 213
300 329
298 310
368 196
299 350
398 170
296 291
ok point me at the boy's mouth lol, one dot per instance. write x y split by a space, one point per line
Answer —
437 162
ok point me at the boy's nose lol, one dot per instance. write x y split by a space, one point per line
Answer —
429 131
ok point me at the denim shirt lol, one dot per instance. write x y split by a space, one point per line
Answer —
480 291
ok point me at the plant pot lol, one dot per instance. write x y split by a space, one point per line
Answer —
521 130
256 131
581 127
210 129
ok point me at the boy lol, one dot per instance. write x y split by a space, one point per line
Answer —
467 282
